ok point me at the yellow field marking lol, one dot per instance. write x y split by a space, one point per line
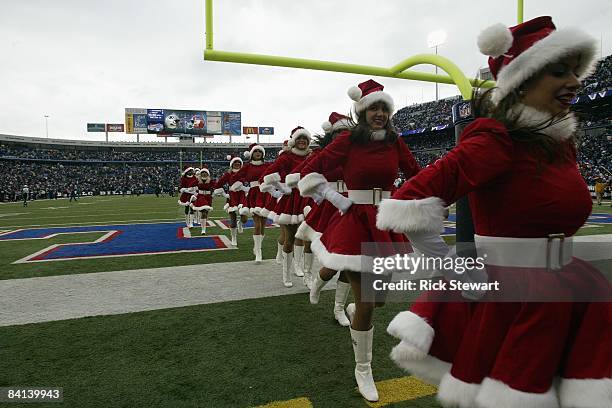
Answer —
294 403
401 389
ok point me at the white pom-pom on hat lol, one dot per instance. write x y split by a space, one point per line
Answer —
326 126
228 157
354 93
495 40
247 155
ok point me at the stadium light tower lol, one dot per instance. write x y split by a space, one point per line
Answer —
434 40
47 125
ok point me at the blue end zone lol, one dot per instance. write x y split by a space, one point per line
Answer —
119 240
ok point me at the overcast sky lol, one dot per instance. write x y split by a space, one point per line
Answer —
82 61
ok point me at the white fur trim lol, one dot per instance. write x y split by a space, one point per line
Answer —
266 187
405 216
371 98
309 183
495 40
235 159
456 393
290 219
586 393
412 329
339 125
272 178
561 129
378 135
494 393
264 212
257 147
306 233
429 369
557 45
184 204
256 162
354 92
307 210
340 262
186 170
204 207
237 186
292 179
244 211
299 152
298 133
218 191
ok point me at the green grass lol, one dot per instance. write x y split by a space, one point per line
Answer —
117 209
234 354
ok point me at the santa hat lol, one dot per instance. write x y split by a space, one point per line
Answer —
285 147
205 170
297 132
368 93
233 159
336 122
254 146
186 168
518 53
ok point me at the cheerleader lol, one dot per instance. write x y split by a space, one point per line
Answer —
524 354
290 207
369 154
323 216
250 173
236 199
188 190
203 202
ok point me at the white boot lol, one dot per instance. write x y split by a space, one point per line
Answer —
257 239
239 225
287 264
315 290
279 254
190 220
362 347
308 257
350 311
234 239
187 220
298 256
204 227
342 291
196 217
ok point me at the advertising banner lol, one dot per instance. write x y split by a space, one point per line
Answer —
96 127
266 130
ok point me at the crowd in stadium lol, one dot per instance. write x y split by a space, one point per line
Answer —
58 178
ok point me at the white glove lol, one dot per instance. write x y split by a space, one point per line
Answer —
283 188
339 201
317 198
246 189
193 198
276 194
184 190
225 195
431 245
219 192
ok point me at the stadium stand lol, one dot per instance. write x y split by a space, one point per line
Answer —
54 168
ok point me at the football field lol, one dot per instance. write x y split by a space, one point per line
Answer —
112 300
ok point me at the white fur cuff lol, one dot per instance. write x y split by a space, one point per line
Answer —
495 393
405 216
272 178
583 393
310 182
292 179
413 329
237 186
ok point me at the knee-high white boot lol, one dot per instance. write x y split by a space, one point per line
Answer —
362 347
308 258
190 220
203 226
342 291
317 286
350 311
187 220
239 225
279 253
234 239
287 264
298 256
257 240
